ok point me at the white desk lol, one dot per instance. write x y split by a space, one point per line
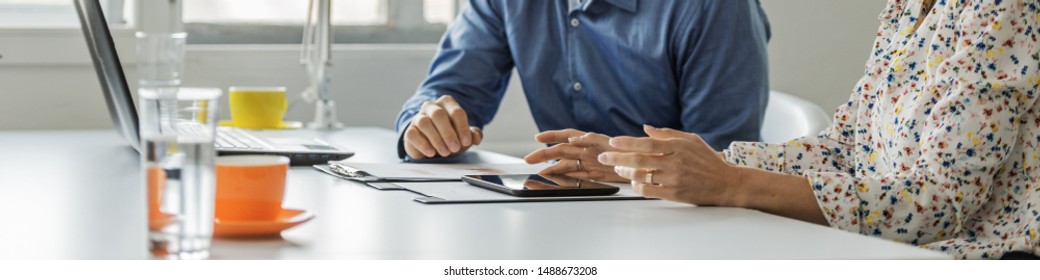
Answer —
78 195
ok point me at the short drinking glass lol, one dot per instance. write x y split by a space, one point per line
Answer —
160 58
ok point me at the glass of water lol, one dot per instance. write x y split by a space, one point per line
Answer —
177 133
160 58
177 127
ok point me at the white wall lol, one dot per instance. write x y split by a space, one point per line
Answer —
819 47
46 81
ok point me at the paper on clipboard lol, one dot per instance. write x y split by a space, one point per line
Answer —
371 172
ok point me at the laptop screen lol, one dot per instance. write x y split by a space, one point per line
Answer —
109 70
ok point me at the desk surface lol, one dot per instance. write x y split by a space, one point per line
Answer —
78 195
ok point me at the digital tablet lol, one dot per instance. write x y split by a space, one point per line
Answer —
534 185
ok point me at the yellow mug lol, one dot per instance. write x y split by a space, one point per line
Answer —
257 107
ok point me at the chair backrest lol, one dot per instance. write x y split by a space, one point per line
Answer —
789 117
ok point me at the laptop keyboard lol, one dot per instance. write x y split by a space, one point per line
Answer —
235 139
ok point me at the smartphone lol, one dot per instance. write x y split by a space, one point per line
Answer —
534 185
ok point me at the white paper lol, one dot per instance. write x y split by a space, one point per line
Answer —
442 171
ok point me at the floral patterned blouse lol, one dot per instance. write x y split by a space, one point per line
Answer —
938 144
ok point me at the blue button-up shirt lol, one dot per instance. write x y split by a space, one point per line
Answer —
609 66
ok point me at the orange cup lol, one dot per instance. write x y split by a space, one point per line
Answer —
250 187
156 178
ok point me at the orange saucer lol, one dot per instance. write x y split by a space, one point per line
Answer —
288 218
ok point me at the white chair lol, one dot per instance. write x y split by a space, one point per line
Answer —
789 117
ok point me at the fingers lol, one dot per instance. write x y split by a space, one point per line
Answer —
458 117
442 124
557 136
638 188
445 128
649 191
636 160
562 167
640 175
561 151
667 133
645 145
589 140
425 125
477 134
416 145
631 174
570 171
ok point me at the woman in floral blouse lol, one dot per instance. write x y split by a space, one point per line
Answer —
937 146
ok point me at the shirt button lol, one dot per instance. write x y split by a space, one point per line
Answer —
577 87
575 22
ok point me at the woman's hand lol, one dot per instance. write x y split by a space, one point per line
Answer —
576 151
684 168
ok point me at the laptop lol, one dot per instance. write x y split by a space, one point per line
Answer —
301 150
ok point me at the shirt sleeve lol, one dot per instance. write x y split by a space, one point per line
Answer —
723 73
964 140
829 151
473 64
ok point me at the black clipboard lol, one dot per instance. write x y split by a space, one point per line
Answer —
430 194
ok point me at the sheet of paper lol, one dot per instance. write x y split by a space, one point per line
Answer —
445 171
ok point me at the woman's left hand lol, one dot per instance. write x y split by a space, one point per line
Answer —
576 152
684 168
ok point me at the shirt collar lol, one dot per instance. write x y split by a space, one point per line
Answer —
628 5
577 5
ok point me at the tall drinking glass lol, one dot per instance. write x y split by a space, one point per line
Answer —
177 132
177 127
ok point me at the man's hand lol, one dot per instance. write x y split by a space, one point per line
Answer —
441 128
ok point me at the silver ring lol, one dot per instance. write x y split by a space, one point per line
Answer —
578 184
579 165
649 178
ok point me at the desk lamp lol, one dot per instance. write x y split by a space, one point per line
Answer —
316 58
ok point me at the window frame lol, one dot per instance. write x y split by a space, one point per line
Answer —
405 24
50 11
63 46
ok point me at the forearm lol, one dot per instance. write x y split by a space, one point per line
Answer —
776 193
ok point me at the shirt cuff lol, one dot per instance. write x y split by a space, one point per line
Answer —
838 198
769 157
401 154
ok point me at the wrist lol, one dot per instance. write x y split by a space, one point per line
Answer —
738 191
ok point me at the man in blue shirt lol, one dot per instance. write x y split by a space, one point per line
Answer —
606 67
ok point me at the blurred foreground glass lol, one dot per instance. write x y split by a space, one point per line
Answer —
177 132
160 59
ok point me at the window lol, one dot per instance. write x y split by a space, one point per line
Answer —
281 21
55 13
440 11
289 12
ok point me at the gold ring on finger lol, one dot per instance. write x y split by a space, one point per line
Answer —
649 177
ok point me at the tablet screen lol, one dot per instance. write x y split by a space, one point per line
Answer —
539 182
